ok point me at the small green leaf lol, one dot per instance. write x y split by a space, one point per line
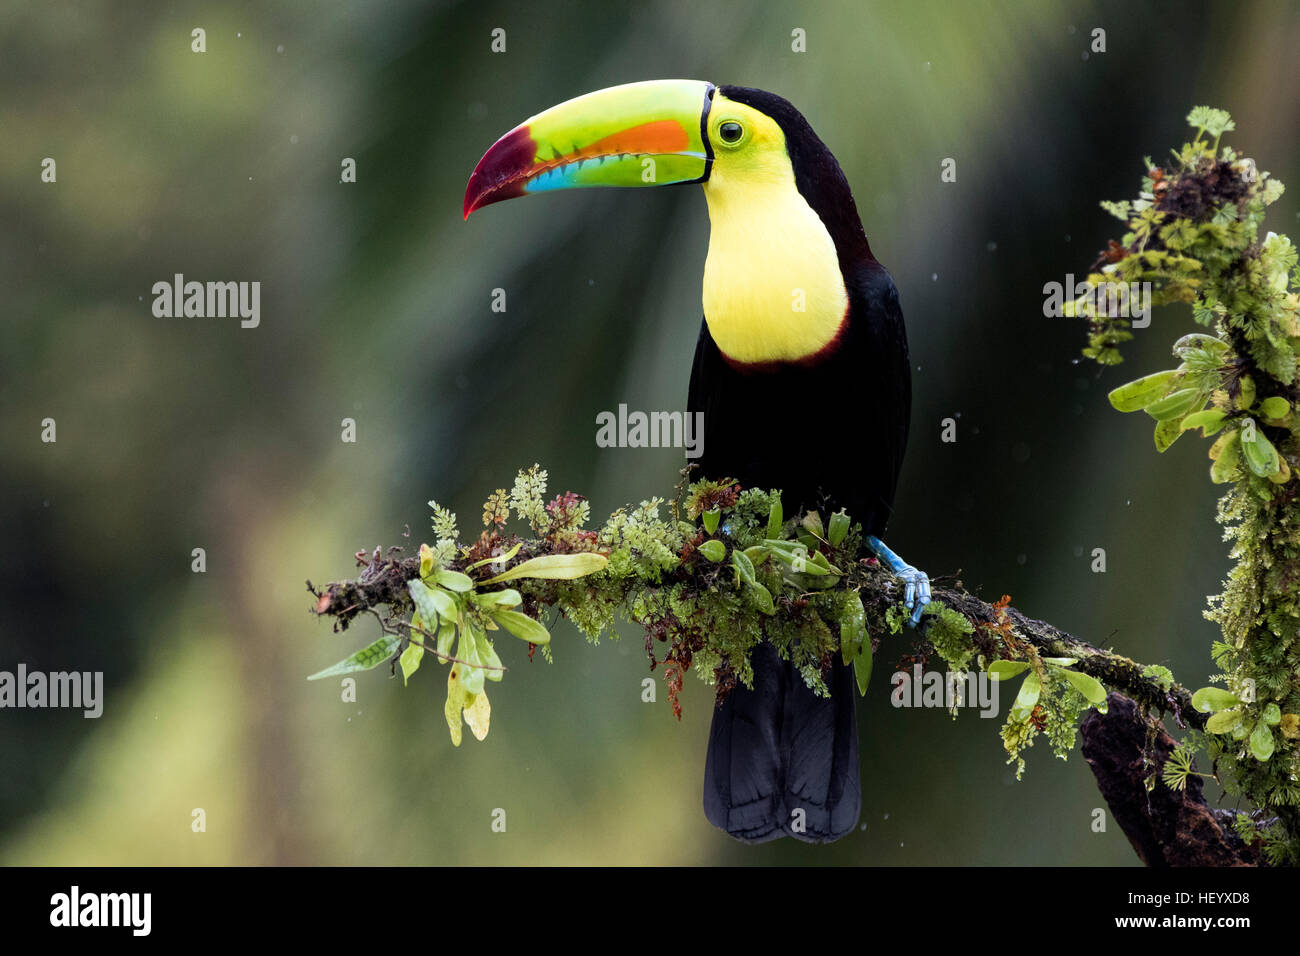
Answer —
713 549
1211 699
506 597
775 518
1061 661
812 523
1261 456
1086 685
1209 419
446 638
1005 670
763 598
434 604
478 715
563 567
1167 433
453 580
487 655
744 567
1137 395
1027 699
471 662
1199 340
1223 721
1214 122
1261 741
839 527
711 519
410 660
1274 407
522 626
363 660
1272 715
456 700
862 668
1228 460
1177 404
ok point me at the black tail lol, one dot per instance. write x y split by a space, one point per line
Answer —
779 749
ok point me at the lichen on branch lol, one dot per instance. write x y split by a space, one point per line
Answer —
1193 237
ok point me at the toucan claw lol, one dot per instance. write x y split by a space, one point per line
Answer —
916 594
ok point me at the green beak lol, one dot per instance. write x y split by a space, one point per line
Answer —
639 134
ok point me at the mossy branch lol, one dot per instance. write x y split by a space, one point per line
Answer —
725 572
382 587
1193 237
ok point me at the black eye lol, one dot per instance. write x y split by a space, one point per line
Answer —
731 132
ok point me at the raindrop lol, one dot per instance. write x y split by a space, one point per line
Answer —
1021 558
280 48
993 247
934 277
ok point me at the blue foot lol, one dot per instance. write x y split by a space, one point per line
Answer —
917 595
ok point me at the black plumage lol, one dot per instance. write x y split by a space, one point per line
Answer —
829 431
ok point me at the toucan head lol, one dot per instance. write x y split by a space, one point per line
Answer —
655 133
783 218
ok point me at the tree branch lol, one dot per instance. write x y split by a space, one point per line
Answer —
382 583
1166 827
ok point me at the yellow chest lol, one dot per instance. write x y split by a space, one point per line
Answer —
773 290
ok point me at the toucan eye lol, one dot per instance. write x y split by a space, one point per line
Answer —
731 132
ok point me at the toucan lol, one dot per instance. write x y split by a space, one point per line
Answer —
801 371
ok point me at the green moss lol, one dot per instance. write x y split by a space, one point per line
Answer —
1194 235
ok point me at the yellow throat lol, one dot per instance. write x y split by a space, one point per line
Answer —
773 291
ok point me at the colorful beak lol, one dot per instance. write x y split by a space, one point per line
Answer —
639 134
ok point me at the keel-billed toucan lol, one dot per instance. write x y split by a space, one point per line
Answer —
801 371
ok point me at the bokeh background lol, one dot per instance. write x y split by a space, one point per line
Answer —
182 433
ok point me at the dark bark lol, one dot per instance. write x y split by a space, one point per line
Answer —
1166 827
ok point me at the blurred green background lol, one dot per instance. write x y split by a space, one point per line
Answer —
182 433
